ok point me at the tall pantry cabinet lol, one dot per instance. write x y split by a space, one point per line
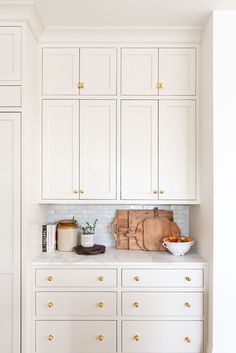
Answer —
10 159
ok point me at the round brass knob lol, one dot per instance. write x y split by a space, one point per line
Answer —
136 278
75 191
80 85
188 305
101 338
50 304
50 278
101 304
81 191
50 337
101 278
137 338
161 192
161 85
155 191
189 279
188 339
136 304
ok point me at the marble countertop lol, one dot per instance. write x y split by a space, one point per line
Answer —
121 258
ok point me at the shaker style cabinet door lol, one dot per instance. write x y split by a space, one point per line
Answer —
10 232
60 149
177 71
177 150
139 150
98 149
60 71
139 71
10 58
98 71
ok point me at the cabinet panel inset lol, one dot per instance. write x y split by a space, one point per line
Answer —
10 58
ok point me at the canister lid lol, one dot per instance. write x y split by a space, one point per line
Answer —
67 223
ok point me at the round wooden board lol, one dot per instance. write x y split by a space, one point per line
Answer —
94 250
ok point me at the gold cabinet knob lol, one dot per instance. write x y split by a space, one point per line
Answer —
50 304
161 192
160 85
136 278
75 191
188 339
101 304
188 279
101 338
137 338
136 304
188 305
81 85
50 337
155 192
81 191
50 278
101 278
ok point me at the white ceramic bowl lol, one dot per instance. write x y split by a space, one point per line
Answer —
178 249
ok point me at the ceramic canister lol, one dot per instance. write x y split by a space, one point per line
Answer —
67 235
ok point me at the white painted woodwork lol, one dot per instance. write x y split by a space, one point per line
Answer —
60 71
76 303
10 235
139 150
98 149
177 71
98 71
185 304
60 149
177 150
10 96
162 278
162 336
139 71
76 278
10 58
76 336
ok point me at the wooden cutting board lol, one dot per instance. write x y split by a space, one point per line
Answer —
154 230
137 216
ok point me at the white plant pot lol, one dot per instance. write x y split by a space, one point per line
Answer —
87 240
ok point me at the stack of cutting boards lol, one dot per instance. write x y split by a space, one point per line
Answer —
143 229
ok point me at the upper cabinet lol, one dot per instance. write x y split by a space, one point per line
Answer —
73 71
165 71
10 58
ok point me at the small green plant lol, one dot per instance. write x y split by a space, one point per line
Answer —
89 229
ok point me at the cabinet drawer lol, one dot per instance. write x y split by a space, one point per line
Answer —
162 336
75 303
10 96
162 303
75 278
75 336
162 278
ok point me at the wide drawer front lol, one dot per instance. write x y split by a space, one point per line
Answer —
162 303
162 278
75 278
75 303
75 336
10 96
162 336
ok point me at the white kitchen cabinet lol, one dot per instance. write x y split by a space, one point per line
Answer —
139 150
10 58
177 150
60 71
98 71
10 236
139 71
60 149
97 149
177 71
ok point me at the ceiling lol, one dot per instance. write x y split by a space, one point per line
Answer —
102 13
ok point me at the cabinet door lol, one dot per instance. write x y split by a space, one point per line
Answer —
10 232
177 149
10 58
139 71
98 71
60 71
177 71
139 150
98 149
60 149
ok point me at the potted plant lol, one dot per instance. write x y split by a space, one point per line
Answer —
88 235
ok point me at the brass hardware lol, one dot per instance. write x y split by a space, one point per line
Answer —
189 279
81 191
50 304
137 338
188 339
155 191
50 337
136 278
81 85
160 85
136 304
188 305
161 191
50 278
101 305
101 338
101 278
75 191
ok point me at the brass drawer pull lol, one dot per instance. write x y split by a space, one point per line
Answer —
101 338
136 304
50 304
136 278
188 279
188 305
50 278
101 278
137 338
188 339
101 304
50 337
81 85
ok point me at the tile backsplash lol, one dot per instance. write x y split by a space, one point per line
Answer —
106 214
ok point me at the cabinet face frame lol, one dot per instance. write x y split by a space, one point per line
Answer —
15 33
